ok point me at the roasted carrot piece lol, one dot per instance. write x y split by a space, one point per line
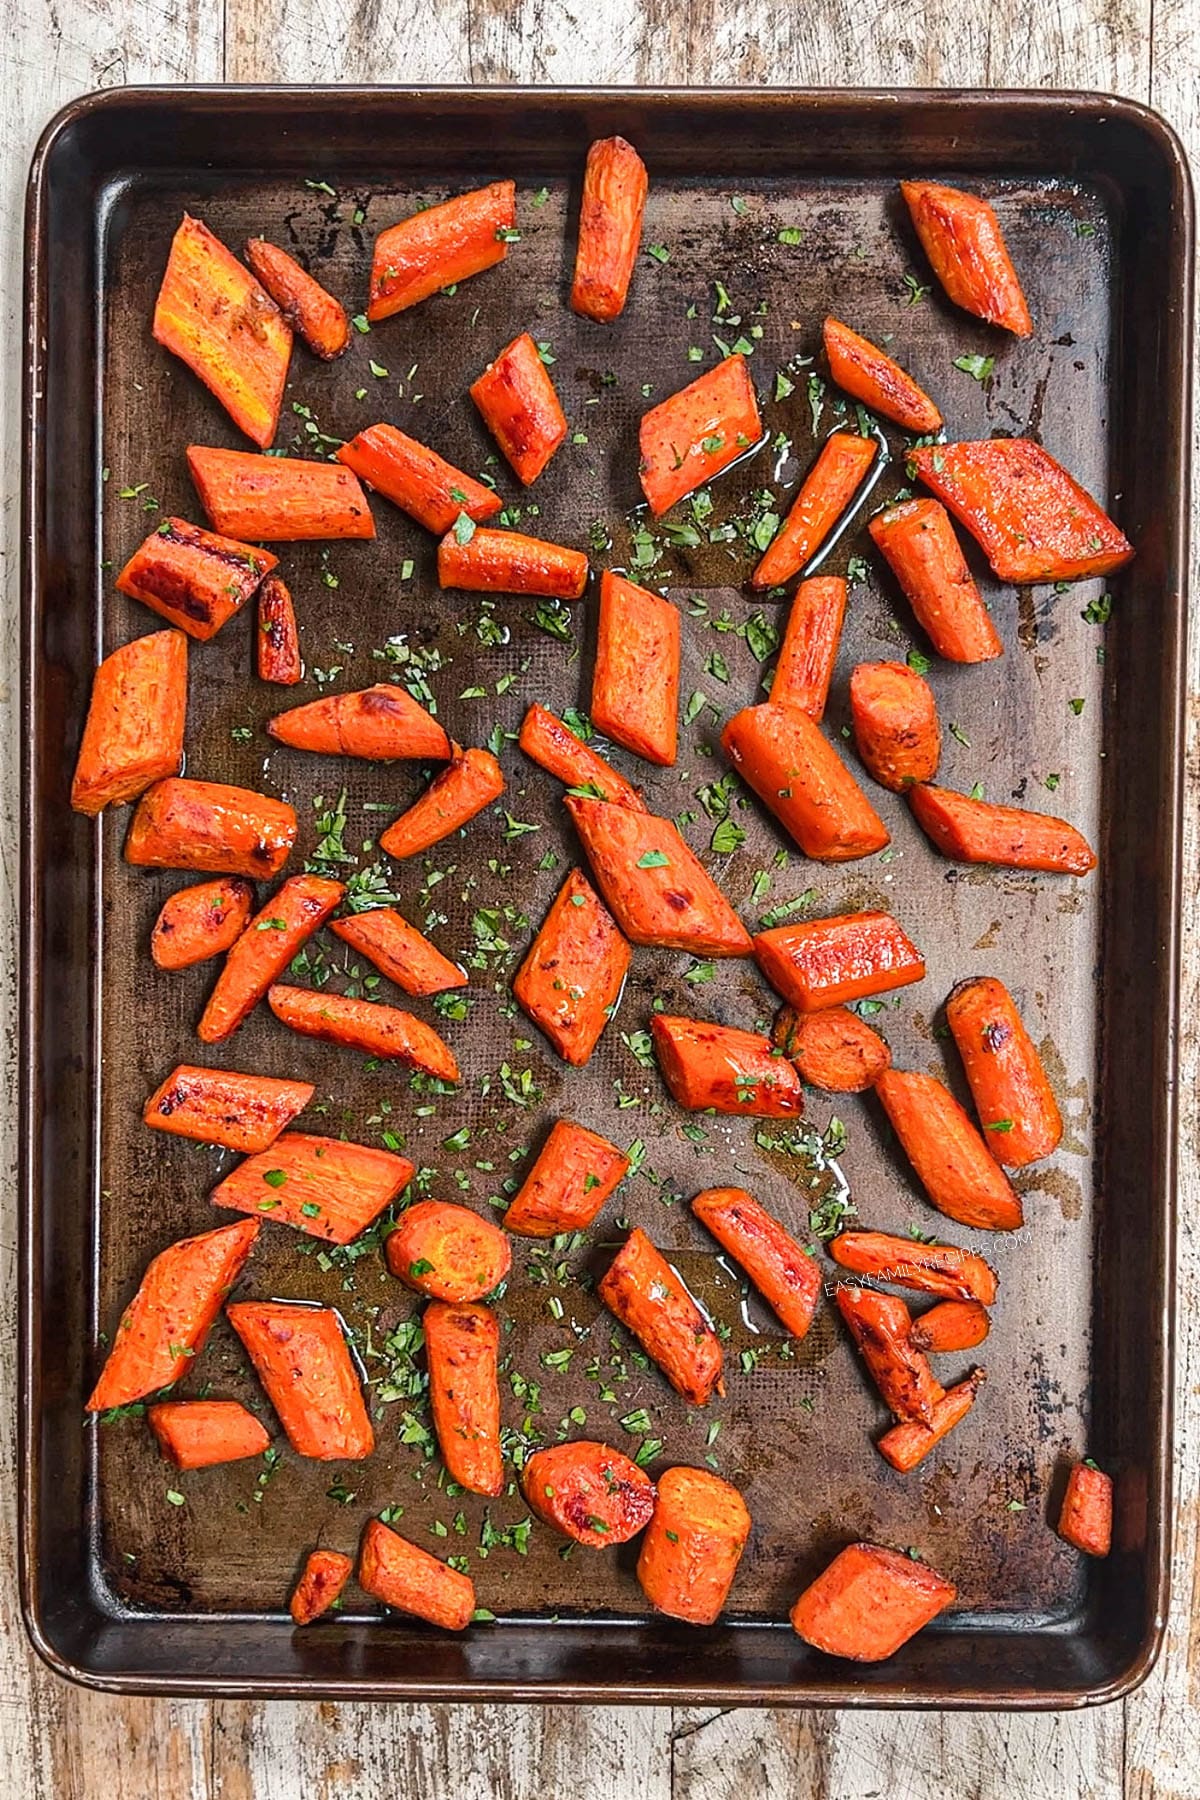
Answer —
689 438
825 493
366 1025
904 1446
818 963
655 886
264 950
717 1068
833 1050
950 1159
204 825
217 1106
880 1325
440 246
133 734
861 370
784 1273
651 1301
201 921
1086 1516
277 644
906 1262
1034 522
896 729
869 1602
462 1347
380 724
961 236
571 980
196 1434
555 747
520 408
976 831
799 776
950 1325
447 1252
693 1544
574 1174
407 1578
471 782
610 228
214 316
589 1492
635 685
282 499
302 1360
416 479
804 667
309 309
1008 1083
168 1320
399 951
507 562
325 1574
196 579
322 1186
918 543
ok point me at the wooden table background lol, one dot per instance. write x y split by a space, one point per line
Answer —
66 1744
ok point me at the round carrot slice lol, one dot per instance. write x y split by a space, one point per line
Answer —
833 1050
589 1492
448 1251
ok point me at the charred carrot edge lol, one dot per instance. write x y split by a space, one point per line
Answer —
904 1446
949 1157
380 724
1010 1088
818 963
693 1544
324 1575
196 1434
895 722
133 734
554 747
416 479
950 1325
931 1268
1086 1516
976 831
804 667
833 1050
195 579
309 309
277 643
689 438
452 799
961 236
651 1301
869 1602
447 1251
204 825
168 1320
827 491
303 1362
861 369
575 1173
635 684
589 1492
213 315
407 1578
710 1066
399 951
507 562
799 777
439 247
217 1106
366 1025
201 921
322 1186
281 499
571 978
782 1270
880 1325
462 1348
518 404
918 544
610 228
264 950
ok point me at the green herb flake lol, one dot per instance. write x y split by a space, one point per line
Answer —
980 367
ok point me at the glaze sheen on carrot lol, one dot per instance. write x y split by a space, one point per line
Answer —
440 246
864 372
322 1579
367 1025
554 747
399 951
826 492
804 667
833 1050
309 309
167 1322
380 724
518 404
471 781
447 1251
1086 1516
784 1273
416 479
904 1446
408 1579
301 1357
589 1492
462 1348
908 1262
869 1602
193 578
961 236
280 499
950 1325
689 438
950 1159
610 228
205 825
571 979
799 776
197 1434
818 963
218 1106
635 683
574 1174
693 1544
133 734
322 1186
277 641
264 950
895 722
507 562
880 1326
652 1302
1009 1085
919 545
977 831
201 921
718 1068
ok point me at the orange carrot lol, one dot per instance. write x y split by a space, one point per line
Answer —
918 543
693 1544
194 578
506 562
798 775
214 316
308 308
168 1320
399 951
589 1492
651 1301
711 1067
447 1252
439 247
862 370
869 1602
416 479
635 684
278 640
520 408
322 1186
572 977
610 228
196 1434
201 921
784 1273
1086 1516
1008 1083
302 1360
915 1263
471 782
279 498
904 1446
264 950
462 1346
689 438
207 826
976 831
804 667
827 491
950 1159
407 1578
961 236
325 1574
895 721
880 1325
950 1325
380 724
819 963
833 1050
133 734
574 1174
216 1106
366 1025
555 747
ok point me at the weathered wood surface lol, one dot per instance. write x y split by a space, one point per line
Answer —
60 1744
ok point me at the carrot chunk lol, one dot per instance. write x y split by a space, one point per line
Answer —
201 921
462 1347
571 980
784 1273
197 1434
976 831
951 1325
264 950
379 724
930 1268
651 1301
325 1574
610 228
278 640
961 236
217 1106
204 825
282 499
439 247
520 408
447 1252
689 438
408 1579
635 685
589 1492
309 309
918 543
719 1068
869 1602
799 776
833 1050
693 1544
1086 1516
826 492
399 951
575 1173
861 370
322 1186
302 1360
194 578
471 782
895 721
366 1025
904 1446
555 747
133 734
950 1159
1008 1083
507 562
416 479
804 667
880 1326
819 963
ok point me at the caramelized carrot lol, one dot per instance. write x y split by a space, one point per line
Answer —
799 776
194 578
689 438
610 228
804 667
869 1602
416 479
833 1050
784 1273
214 316
282 499
976 831
399 951
819 963
693 1544
302 1360
861 370
201 921
507 562
904 1446
1034 522
880 1326
949 1157
651 1301
895 721
322 1186
826 492
711 1067
915 1263
574 1174
278 641
439 247
635 684
555 747
589 1492
407 1578
520 408
950 1325
264 950
1086 1516
366 1025
471 781
447 1252
462 1347
196 1434
571 980
207 826
961 236
133 734
380 724
308 308
325 1574
918 543
168 1320
217 1106
1008 1083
